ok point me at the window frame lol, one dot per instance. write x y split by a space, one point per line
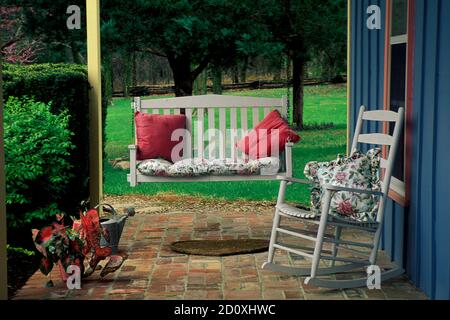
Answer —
400 190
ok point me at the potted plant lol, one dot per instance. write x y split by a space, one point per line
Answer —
78 244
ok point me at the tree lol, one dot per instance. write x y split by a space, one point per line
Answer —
16 47
46 20
304 27
190 34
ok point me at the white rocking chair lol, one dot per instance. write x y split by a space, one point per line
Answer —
325 219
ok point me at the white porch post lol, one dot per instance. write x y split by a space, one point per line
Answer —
3 268
95 104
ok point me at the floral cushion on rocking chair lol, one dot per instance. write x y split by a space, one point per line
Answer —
360 171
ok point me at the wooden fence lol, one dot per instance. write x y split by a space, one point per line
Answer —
149 90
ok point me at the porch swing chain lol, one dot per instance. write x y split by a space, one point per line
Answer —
288 82
133 134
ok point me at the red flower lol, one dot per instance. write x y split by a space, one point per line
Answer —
46 234
76 225
59 228
341 176
92 229
345 208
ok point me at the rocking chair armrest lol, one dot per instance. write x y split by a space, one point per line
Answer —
293 180
364 191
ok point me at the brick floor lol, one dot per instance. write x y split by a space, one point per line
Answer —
153 271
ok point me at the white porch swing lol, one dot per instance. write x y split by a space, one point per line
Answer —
223 145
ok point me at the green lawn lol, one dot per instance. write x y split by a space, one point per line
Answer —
323 105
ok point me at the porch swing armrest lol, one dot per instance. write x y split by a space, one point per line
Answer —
294 180
364 191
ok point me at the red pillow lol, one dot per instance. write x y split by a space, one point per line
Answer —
259 143
154 135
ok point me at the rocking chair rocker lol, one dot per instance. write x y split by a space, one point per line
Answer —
326 219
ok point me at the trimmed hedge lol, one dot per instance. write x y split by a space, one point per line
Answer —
66 88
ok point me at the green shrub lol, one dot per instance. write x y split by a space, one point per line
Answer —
66 87
20 251
37 149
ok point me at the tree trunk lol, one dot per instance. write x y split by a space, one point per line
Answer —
235 74
200 84
134 69
217 80
297 78
278 68
77 56
126 80
108 77
69 55
182 76
244 70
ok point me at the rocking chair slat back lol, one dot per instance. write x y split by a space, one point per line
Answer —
376 139
383 140
380 115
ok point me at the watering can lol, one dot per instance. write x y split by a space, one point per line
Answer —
114 225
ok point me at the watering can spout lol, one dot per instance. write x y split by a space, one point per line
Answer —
121 223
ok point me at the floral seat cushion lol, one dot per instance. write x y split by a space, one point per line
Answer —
226 167
189 168
265 166
360 171
217 167
154 167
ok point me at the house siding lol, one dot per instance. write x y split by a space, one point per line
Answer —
429 227
425 225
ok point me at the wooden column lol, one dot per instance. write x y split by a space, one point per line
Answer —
95 104
3 268
349 70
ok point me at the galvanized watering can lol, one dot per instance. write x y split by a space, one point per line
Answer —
114 224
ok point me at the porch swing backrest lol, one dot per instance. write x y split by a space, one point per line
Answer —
388 142
198 109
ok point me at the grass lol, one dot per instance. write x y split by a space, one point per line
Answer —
324 105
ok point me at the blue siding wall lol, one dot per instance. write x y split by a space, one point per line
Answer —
429 216
367 61
367 80
427 220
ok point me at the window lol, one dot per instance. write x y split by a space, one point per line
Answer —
397 84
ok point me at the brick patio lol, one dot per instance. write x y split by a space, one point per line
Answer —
153 271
